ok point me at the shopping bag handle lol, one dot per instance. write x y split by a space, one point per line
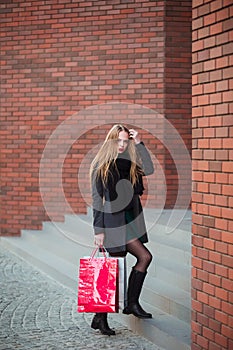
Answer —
103 250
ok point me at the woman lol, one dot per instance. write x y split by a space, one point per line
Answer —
119 226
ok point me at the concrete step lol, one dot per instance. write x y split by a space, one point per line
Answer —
164 330
171 219
172 301
177 244
52 264
54 253
162 249
173 273
76 229
58 241
159 224
179 238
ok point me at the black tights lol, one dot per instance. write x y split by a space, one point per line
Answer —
141 253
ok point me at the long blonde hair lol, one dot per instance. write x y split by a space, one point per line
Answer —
108 154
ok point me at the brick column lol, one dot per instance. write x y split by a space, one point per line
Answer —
212 278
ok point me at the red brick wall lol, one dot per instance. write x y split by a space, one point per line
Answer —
59 58
212 278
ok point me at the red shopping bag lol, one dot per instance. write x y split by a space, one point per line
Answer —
98 284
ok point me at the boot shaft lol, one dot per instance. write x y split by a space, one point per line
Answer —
136 280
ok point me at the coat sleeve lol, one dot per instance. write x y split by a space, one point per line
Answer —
147 165
97 204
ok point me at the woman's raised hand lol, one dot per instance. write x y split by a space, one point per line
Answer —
134 135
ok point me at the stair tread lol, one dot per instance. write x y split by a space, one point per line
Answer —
168 290
76 223
163 329
170 324
155 235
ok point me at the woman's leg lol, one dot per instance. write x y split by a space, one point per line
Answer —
136 278
143 255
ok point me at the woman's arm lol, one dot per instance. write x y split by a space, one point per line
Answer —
147 165
97 204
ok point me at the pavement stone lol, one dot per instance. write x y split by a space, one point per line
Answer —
37 312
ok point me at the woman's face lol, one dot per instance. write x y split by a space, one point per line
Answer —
122 142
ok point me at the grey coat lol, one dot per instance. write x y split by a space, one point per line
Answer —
113 224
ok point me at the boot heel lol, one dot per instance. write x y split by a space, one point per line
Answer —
94 324
126 311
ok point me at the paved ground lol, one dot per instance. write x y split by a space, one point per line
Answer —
36 312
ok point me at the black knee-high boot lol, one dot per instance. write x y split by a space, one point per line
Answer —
100 322
135 283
